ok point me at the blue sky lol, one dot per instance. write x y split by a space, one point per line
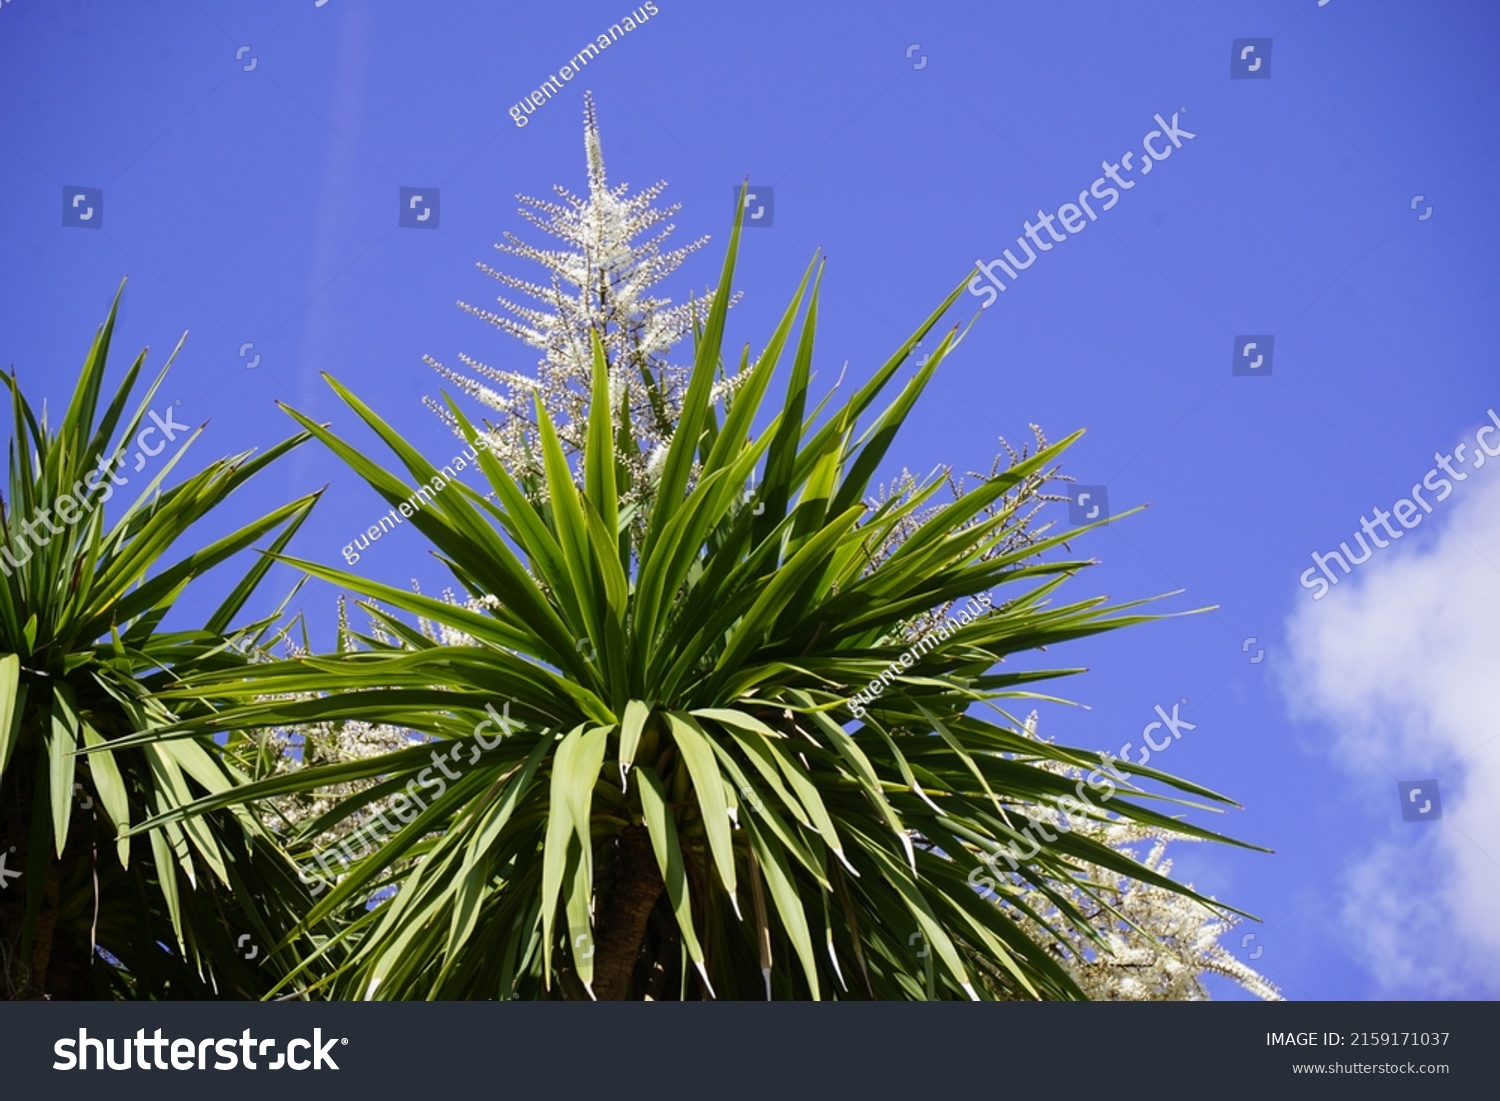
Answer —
251 156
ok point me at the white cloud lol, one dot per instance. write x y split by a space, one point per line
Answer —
1404 659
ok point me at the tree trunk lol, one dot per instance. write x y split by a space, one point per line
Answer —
58 967
622 926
